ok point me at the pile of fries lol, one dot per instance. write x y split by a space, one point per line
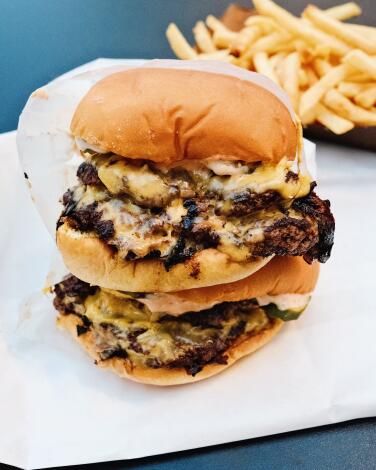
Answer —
327 66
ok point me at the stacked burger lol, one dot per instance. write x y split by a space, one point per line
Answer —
194 231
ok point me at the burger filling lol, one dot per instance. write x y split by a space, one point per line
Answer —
121 326
144 210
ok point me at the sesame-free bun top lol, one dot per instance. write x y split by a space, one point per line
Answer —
282 275
166 115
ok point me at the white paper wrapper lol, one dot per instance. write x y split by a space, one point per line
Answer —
57 408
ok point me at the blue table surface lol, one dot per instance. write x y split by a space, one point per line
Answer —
41 39
342 446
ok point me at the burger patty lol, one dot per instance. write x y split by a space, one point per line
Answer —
238 204
143 210
122 327
304 227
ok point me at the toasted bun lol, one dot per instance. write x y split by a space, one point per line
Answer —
281 275
167 115
163 377
93 261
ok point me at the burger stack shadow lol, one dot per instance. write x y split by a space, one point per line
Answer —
194 232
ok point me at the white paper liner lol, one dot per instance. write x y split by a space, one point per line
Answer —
47 150
57 408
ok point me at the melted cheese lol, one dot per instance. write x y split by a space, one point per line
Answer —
165 340
155 185
139 230
119 176
264 178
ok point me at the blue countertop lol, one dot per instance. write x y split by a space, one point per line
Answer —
342 446
44 38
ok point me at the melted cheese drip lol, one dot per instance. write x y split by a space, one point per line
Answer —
119 176
266 177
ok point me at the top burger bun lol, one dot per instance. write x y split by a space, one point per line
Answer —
282 275
168 115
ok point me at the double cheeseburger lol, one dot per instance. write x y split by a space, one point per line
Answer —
194 231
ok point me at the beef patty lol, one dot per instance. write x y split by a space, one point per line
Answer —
122 327
243 224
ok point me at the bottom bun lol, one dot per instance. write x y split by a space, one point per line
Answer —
163 376
92 261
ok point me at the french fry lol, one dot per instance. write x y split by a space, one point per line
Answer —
351 89
358 77
339 30
245 38
262 65
215 25
328 68
368 31
332 121
203 38
296 27
269 44
312 77
275 59
267 25
306 51
224 39
303 78
314 94
321 66
309 117
344 12
244 62
290 77
322 50
345 108
236 41
361 61
223 55
367 98
179 44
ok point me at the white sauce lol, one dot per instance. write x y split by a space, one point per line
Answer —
226 167
173 305
83 145
285 301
